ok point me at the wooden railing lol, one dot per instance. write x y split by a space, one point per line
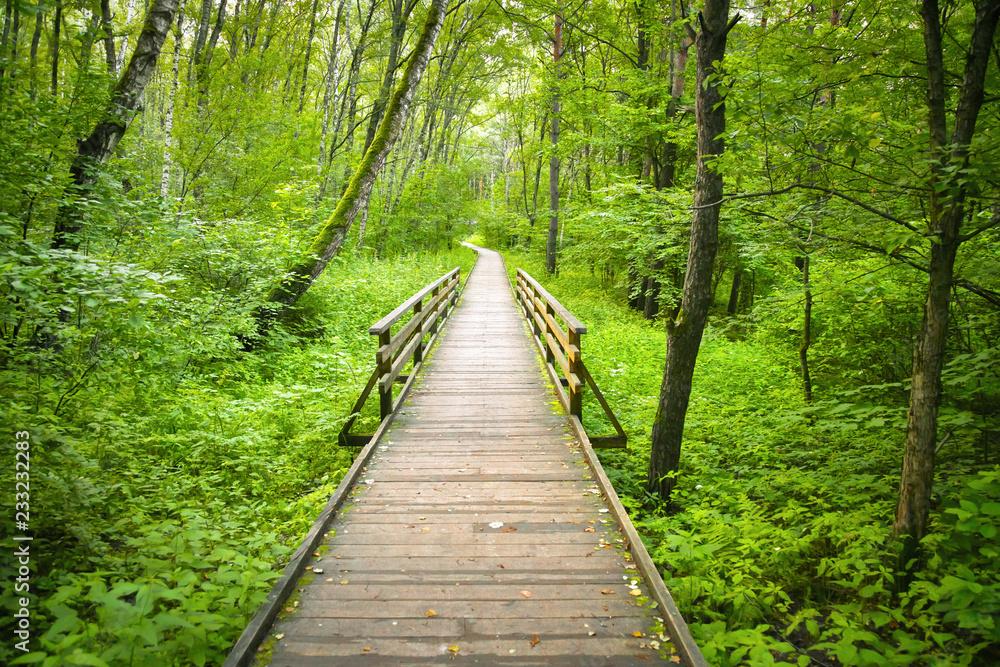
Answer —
561 347
396 350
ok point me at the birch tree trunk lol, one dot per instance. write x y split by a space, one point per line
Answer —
950 184
168 119
95 150
684 331
331 237
550 247
123 45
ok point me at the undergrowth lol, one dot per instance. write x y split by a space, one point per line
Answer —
169 486
778 546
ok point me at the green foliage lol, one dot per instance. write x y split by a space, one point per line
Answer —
779 549
172 473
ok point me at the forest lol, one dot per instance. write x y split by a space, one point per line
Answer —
779 221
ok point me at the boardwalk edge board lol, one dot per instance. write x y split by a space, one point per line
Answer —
245 648
680 635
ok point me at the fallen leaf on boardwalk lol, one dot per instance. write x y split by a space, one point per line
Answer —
526 594
368 648
636 592
675 658
453 649
509 529
502 567
607 591
591 633
289 609
431 612
588 529
496 524
318 570
344 581
534 640
638 633
328 580
280 635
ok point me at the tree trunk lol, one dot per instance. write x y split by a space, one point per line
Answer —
95 150
807 389
331 237
305 65
8 8
33 54
109 37
734 292
56 23
550 247
684 331
168 116
123 45
400 16
201 36
949 187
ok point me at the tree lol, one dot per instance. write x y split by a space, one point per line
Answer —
950 187
95 150
331 237
550 247
685 327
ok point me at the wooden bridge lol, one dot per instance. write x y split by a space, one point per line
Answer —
476 526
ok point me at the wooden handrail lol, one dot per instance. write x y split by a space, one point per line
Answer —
383 324
561 348
395 351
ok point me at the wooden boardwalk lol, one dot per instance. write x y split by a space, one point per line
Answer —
477 534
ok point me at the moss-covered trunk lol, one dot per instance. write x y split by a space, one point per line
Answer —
331 237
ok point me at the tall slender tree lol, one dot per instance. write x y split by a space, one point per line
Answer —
950 186
686 326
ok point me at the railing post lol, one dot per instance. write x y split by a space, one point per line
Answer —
384 369
575 358
418 351
550 314
535 329
443 307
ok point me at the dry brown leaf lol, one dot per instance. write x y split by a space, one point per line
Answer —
635 592
588 529
638 633
431 612
526 594
453 649
509 529
534 640
607 591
